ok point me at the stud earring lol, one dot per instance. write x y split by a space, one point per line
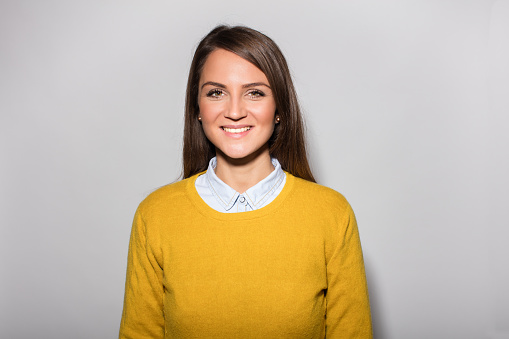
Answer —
199 118
278 120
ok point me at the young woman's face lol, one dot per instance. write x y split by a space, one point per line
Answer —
237 109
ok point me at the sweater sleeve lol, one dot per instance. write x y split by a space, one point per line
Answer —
142 316
348 313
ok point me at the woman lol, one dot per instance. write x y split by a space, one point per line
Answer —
252 247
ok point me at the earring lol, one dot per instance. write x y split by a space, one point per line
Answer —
277 119
199 118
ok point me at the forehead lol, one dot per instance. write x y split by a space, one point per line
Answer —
223 65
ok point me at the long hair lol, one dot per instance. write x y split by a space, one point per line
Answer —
287 143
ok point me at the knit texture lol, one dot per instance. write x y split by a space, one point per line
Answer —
292 269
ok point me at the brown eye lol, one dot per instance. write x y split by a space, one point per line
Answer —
215 93
256 93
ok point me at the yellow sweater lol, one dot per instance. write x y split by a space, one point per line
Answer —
292 269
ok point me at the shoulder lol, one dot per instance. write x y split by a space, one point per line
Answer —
170 196
324 208
314 193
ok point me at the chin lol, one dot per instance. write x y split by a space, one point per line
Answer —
243 154
237 155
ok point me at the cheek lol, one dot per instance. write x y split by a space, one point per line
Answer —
266 114
209 111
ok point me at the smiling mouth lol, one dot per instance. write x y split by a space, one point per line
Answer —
236 130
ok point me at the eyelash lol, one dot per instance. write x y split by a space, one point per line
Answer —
216 93
256 93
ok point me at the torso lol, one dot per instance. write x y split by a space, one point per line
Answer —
255 274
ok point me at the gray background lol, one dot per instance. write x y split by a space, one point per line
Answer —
406 104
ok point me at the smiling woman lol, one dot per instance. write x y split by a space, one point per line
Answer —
247 245
237 112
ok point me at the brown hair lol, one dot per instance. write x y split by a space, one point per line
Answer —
287 143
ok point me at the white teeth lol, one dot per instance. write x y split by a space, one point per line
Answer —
236 130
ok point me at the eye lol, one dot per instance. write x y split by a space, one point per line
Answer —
255 93
215 93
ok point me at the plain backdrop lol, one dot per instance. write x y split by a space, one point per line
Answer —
406 105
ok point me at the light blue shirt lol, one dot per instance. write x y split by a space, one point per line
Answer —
223 198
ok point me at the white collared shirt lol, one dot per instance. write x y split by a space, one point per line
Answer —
225 199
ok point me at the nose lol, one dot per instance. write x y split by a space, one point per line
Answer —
236 108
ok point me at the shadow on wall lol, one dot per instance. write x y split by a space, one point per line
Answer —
379 330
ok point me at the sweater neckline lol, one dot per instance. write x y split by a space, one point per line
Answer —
209 212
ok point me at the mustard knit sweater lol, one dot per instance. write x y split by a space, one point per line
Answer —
292 269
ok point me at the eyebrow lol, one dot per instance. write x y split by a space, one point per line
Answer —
217 84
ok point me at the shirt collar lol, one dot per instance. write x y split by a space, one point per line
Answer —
256 195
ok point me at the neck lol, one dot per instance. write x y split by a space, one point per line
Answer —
241 174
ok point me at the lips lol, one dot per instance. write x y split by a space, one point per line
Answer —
235 129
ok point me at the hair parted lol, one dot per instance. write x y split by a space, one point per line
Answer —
287 143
